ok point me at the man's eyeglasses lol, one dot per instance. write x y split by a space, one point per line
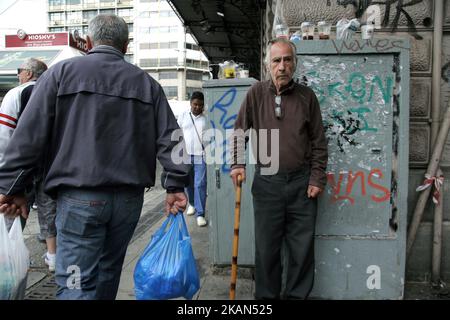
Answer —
19 70
278 107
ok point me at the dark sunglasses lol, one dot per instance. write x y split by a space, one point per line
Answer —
19 70
278 107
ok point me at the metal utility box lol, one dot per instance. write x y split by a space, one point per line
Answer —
223 99
363 91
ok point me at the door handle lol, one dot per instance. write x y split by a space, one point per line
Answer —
217 178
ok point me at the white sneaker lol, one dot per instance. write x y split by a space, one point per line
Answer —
50 261
190 211
201 221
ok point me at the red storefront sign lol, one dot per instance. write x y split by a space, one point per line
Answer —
46 40
78 43
37 40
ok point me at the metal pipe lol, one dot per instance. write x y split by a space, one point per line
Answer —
431 171
436 73
435 116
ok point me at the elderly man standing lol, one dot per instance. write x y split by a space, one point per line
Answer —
285 202
105 122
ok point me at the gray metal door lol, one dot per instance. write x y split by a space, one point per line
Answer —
223 99
362 87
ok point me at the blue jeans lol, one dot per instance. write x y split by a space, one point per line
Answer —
94 227
196 190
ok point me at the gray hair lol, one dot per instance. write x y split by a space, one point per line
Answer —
267 58
34 65
108 29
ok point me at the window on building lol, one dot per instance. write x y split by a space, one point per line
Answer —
192 46
88 15
164 29
194 75
168 45
90 3
130 27
84 31
129 58
56 18
145 14
55 3
125 13
194 63
167 13
73 28
73 2
59 29
190 90
168 75
171 91
74 17
167 62
147 63
130 47
107 11
147 1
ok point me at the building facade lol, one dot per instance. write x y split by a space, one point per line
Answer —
158 42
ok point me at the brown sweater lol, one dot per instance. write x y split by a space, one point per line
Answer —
301 134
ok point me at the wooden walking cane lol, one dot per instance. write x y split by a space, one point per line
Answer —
237 213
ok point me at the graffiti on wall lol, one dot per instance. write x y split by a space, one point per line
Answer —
225 123
355 184
361 93
400 7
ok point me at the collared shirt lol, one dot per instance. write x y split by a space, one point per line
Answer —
10 110
192 140
103 122
301 133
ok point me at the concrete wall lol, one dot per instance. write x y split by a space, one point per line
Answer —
296 12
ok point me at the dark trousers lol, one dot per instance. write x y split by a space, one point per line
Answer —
283 212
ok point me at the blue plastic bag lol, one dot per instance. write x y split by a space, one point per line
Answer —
167 267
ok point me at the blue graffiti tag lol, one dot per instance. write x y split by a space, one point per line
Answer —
226 120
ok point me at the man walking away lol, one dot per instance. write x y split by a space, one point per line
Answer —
105 121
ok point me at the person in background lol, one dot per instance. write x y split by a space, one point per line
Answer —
284 202
12 107
193 125
104 131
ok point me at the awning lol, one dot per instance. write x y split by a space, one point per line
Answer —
225 30
11 60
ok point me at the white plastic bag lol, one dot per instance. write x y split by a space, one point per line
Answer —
14 261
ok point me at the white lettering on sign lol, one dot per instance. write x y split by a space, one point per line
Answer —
82 45
374 280
41 37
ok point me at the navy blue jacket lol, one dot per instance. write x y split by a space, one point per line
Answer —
104 121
